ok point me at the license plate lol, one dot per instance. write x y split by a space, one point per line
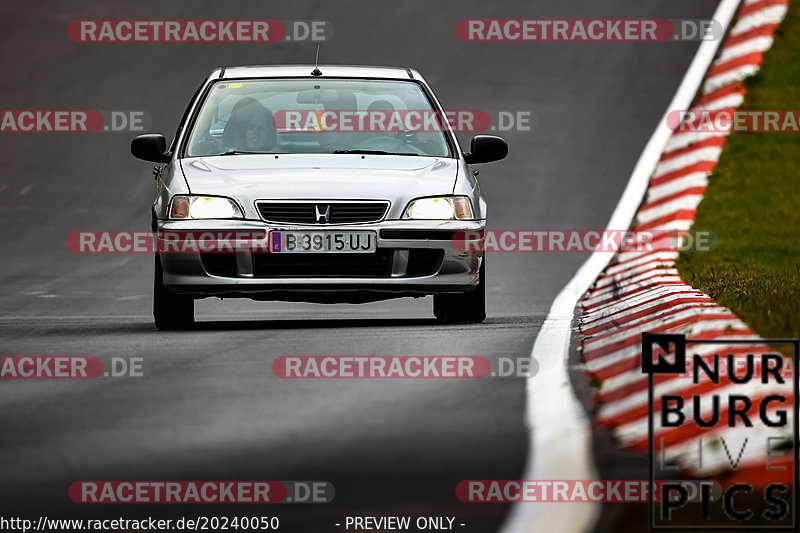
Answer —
323 242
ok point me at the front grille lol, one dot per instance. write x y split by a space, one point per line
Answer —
375 265
306 212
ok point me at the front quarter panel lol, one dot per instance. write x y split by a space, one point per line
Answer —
169 182
467 185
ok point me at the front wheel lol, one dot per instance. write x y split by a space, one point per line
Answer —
171 311
465 308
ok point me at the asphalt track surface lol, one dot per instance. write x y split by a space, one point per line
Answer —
209 405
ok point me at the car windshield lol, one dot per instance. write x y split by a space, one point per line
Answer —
333 116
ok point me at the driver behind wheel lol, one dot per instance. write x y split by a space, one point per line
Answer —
250 128
386 108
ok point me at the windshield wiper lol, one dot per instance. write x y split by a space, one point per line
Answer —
378 152
239 152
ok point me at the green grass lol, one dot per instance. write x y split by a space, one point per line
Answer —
753 205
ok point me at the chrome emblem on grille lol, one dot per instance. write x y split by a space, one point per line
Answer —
323 216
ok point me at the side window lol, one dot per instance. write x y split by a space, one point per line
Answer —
222 114
185 117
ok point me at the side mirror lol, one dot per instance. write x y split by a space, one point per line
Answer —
485 149
151 147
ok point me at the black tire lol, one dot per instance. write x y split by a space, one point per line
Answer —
171 311
464 308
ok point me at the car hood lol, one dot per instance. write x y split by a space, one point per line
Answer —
248 178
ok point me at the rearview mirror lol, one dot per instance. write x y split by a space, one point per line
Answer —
151 147
317 96
485 149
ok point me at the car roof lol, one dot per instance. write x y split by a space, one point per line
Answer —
330 71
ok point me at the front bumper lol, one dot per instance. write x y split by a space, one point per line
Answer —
414 258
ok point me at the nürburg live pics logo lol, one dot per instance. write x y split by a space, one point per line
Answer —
722 410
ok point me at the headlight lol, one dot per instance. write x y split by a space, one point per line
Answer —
196 207
442 208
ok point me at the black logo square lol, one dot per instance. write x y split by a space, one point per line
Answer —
663 353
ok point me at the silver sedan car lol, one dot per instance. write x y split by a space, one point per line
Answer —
349 180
